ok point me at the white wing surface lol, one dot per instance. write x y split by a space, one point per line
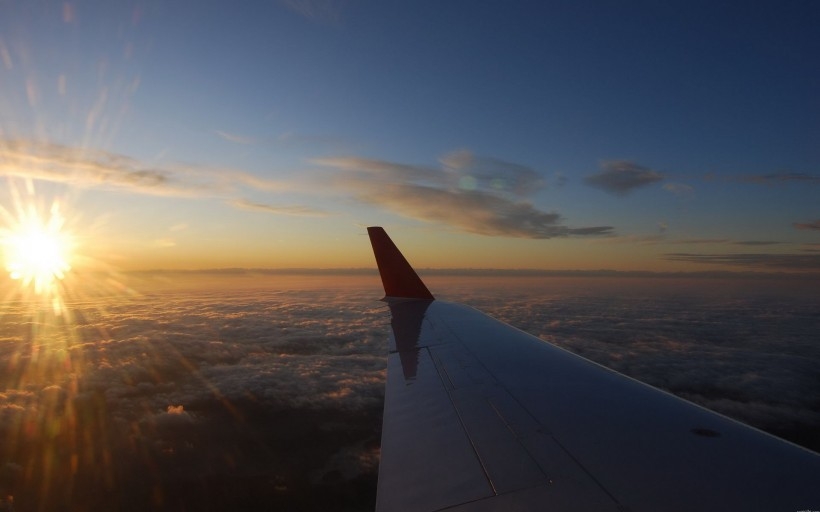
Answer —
481 416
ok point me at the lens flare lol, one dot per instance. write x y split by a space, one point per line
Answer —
37 249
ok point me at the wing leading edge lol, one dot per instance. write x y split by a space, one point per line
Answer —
481 416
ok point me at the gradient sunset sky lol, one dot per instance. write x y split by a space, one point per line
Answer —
661 136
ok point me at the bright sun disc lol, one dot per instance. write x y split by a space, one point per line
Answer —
37 251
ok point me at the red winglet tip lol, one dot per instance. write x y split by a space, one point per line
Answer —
399 279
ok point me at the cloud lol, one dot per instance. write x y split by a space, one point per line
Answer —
476 195
165 242
492 173
302 211
679 189
88 168
287 140
472 211
366 168
699 241
662 238
620 177
753 359
808 226
781 177
273 386
756 242
239 388
810 262
82 167
239 139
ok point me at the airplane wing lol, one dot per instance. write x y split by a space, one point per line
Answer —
480 416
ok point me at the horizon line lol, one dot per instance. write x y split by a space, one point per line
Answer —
484 272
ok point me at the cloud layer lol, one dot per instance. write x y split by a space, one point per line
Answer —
242 400
269 395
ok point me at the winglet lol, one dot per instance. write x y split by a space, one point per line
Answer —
399 279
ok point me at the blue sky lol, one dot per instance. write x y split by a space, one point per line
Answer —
518 134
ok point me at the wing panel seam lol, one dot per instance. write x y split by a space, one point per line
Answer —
439 368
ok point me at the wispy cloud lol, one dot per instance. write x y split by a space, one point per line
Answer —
302 211
621 177
239 139
287 140
756 242
84 167
492 173
759 261
679 189
781 177
662 238
89 168
808 226
474 194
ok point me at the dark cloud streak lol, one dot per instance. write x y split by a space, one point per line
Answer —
804 262
807 226
780 178
621 177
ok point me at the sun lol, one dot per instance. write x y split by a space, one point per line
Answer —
37 249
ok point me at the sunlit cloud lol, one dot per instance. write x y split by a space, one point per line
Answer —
165 242
475 195
193 386
808 226
90 168
620 177
301 211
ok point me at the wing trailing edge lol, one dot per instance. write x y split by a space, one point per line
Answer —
399 279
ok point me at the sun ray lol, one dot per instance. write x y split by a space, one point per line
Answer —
37 248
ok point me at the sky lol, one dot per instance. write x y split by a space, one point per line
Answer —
568 135
556 136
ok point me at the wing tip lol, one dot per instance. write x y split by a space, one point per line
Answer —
399 280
